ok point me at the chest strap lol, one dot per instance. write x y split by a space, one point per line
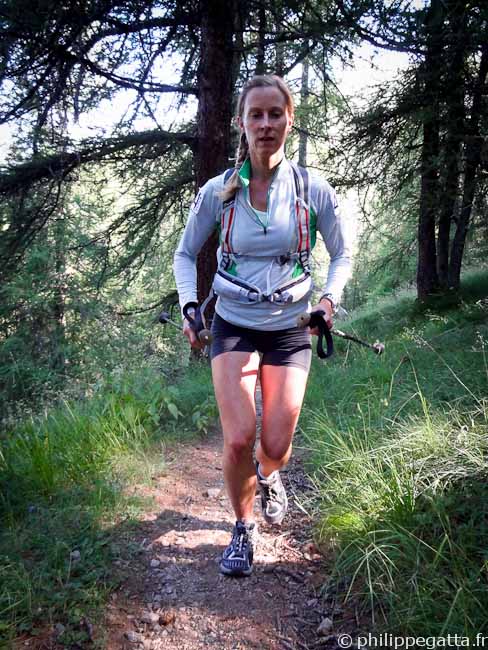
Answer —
302 218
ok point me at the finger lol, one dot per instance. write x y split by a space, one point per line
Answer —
190 334
195 342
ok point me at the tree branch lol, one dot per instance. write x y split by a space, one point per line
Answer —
61 164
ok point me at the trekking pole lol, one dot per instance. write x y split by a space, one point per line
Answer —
313 320
196 323
165 319
377 347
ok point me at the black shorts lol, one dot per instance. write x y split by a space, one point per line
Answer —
288 347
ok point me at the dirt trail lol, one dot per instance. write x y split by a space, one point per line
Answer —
173 596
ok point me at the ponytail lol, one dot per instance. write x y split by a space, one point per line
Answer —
234 182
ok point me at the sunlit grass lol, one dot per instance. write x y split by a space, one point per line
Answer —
399 448
67 493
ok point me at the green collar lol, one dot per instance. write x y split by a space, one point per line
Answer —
245 171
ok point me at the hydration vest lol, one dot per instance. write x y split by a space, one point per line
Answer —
226 282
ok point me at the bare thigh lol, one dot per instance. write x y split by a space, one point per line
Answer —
234 378
283 389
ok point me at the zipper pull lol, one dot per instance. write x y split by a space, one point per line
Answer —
265 229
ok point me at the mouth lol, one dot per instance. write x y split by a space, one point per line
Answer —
266 139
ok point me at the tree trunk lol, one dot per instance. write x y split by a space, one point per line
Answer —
279 47
473 159
427 278
58 343
215 86
304 93
260 64
454 89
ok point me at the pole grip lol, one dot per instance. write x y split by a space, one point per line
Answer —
315 319
196 323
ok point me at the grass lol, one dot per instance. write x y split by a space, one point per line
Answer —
65 502
399 456
398 451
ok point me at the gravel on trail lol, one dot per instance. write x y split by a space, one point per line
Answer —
174 598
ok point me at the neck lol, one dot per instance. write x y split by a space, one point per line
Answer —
263 167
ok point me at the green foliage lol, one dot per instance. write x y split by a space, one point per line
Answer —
64 497
62 327
399 447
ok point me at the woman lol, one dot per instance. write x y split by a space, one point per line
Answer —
268 211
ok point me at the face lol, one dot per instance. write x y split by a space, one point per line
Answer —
265 120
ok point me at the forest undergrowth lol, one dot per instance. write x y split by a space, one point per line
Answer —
67 482
397 451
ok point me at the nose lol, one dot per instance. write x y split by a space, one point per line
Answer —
265 121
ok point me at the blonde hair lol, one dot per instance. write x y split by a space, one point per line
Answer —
259 81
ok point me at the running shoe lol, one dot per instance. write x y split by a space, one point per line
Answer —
274 502
238 557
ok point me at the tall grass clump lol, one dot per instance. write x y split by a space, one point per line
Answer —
399 449
65 497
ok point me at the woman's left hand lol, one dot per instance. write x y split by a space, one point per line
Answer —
326 306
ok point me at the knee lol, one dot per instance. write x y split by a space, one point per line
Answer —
239 445
276 450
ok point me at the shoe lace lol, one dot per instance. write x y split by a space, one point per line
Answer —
239 540
272 492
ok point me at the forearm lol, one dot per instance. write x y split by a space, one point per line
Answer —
202 220
185 272
339 273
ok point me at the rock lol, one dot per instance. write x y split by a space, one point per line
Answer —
325 627
311 548
134 637
75 556
88 627
151 618
155 564
212 493
59 629
166 618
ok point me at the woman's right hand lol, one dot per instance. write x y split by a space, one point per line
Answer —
190 334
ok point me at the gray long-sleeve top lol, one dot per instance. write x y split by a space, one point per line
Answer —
256 248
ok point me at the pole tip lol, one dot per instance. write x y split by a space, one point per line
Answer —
378 347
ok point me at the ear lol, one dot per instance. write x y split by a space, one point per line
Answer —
291 121
239 122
